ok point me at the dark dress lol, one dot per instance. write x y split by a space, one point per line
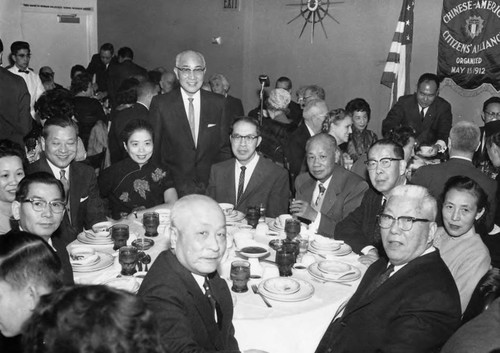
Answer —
127 186
87 112
360 142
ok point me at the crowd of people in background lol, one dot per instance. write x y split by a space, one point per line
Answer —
123 139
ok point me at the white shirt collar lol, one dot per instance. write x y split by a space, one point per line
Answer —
57 171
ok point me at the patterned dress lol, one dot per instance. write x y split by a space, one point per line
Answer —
360 142
127 186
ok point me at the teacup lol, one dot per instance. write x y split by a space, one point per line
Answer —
281 220
227 208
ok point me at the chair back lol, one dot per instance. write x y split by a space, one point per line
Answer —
487 290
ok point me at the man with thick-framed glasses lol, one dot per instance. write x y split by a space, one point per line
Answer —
249 179
39 209
408 302
192 127
491 113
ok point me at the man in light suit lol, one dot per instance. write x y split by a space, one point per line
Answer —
183 288
328 193
429 115
411 302
84 205
15 117
193 132
262 182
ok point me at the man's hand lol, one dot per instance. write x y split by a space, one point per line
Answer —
369 258
303 209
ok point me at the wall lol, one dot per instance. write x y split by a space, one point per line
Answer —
257 40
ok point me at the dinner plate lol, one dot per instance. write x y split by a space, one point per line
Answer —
86 239
316 273
334 267
305 291
126 283
273 228
105 260
235 216
281 285
343 250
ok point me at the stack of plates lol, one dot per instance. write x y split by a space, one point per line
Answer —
323 249
286 289
334 271
89 237
99 262
126 283
235 216
275 226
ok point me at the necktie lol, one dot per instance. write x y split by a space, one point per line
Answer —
319 200
422 114
23 71
241 183
191 119
384 276
213 302
65 183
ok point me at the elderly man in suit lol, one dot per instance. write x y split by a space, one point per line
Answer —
409 303
15 117
84 205
249 179
328 193
183 287
429 115
386 168
192 126
464 141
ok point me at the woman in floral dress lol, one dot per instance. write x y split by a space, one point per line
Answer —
137 182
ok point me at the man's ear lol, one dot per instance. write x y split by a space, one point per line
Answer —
16 209
42 143
174 233
259 140
432 232
402 167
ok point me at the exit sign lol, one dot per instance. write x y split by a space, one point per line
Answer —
232 5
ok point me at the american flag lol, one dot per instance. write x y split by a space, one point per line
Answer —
397 68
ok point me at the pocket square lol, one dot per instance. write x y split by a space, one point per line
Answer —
211 125
84 198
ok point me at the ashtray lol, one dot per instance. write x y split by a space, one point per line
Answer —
143 243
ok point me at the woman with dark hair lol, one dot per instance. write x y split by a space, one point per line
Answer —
12 163
92 319
461 248
361 138
88 110
137 182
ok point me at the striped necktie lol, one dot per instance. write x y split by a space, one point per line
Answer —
241 183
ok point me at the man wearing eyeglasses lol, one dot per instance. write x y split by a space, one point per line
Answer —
39 209
21 55
408 303
249 179
491 112
191 125
386 169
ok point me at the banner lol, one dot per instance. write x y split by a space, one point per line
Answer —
469 43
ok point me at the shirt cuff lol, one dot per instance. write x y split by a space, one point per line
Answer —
367 249
442 145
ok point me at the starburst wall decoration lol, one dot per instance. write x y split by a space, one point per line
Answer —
313 12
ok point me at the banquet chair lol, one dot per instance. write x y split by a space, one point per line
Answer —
487 290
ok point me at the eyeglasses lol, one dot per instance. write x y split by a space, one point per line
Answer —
385 163
247 138
24 55
185 71
404 222
493 114
40 205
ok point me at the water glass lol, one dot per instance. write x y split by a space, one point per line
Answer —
240 274
292 228
128 257
151 221
285 260
252 216
120 235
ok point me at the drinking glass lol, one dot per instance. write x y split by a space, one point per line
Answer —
292 228
285 260
128 257
240 274
120 235
151 221
252 216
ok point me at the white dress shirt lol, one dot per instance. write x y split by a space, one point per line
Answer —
248 172
35 86
317 220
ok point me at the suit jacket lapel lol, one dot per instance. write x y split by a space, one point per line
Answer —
74 194
255 181
231 186
332 192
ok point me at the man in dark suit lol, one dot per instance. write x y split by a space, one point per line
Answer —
140 110
249 179
99 66
328 193
386 169
183 287
409 303
463 142
15 117
191 124
315 112
125 68
84 205
429 115
491 112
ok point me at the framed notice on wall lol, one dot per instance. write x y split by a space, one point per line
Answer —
469 43
231 5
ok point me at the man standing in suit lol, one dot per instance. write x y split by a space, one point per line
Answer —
183 287
99 66
21 55
429 115
191 125
463 142
84 206
249 179
386 169
15 117
411 302
315 113
328 193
